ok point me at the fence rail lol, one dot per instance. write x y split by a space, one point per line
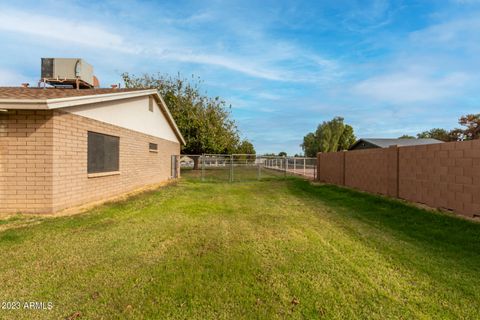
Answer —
244 167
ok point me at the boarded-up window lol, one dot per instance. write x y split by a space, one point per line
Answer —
153 146
103 152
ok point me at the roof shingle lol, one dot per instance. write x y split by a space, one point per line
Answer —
18 93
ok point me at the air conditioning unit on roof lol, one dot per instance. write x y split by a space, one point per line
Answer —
68 71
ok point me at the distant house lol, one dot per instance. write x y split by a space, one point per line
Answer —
385 143
65 147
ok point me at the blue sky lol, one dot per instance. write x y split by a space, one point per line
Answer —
388 67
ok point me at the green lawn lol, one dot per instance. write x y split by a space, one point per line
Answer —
238 173
260 249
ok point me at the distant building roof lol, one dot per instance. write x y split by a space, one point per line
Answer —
385 143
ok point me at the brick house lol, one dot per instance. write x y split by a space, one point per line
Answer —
64 147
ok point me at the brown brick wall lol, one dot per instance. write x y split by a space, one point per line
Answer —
371 170
330 167
26 161
443 175
138 166
440 175
43 161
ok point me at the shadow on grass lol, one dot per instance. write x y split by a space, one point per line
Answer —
435 231
11 236
99 217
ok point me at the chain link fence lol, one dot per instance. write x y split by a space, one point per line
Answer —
245 167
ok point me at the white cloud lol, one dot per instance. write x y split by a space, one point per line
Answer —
248 68
466 1
272 60
192 19
410 87
449 35
368 16
436 63
85 33
269 96
268 59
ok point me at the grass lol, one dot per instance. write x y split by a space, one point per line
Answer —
260 249
239 173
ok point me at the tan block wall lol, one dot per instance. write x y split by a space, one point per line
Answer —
372 170
138 166
443 175
26 161
43 161
330 167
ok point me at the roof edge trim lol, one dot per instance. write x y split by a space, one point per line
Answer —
57 103
169 117
27 104
81 100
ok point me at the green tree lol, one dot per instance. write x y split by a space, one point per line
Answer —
456 134
330 136
435 133
347 138
204 122
310 145
406 136
246 147
472 124
282 154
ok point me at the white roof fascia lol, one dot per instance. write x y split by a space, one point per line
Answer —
57 103
169 117
81 100
29 104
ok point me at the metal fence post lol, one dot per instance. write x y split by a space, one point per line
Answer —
304 166
203 166
317 165
231 168
259 170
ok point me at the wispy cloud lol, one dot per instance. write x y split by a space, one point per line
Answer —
449 30
194 19
388 67
248 68
368 17
85 33
264 64
467 1
402 88
432 64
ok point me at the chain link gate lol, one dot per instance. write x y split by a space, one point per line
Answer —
245 167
